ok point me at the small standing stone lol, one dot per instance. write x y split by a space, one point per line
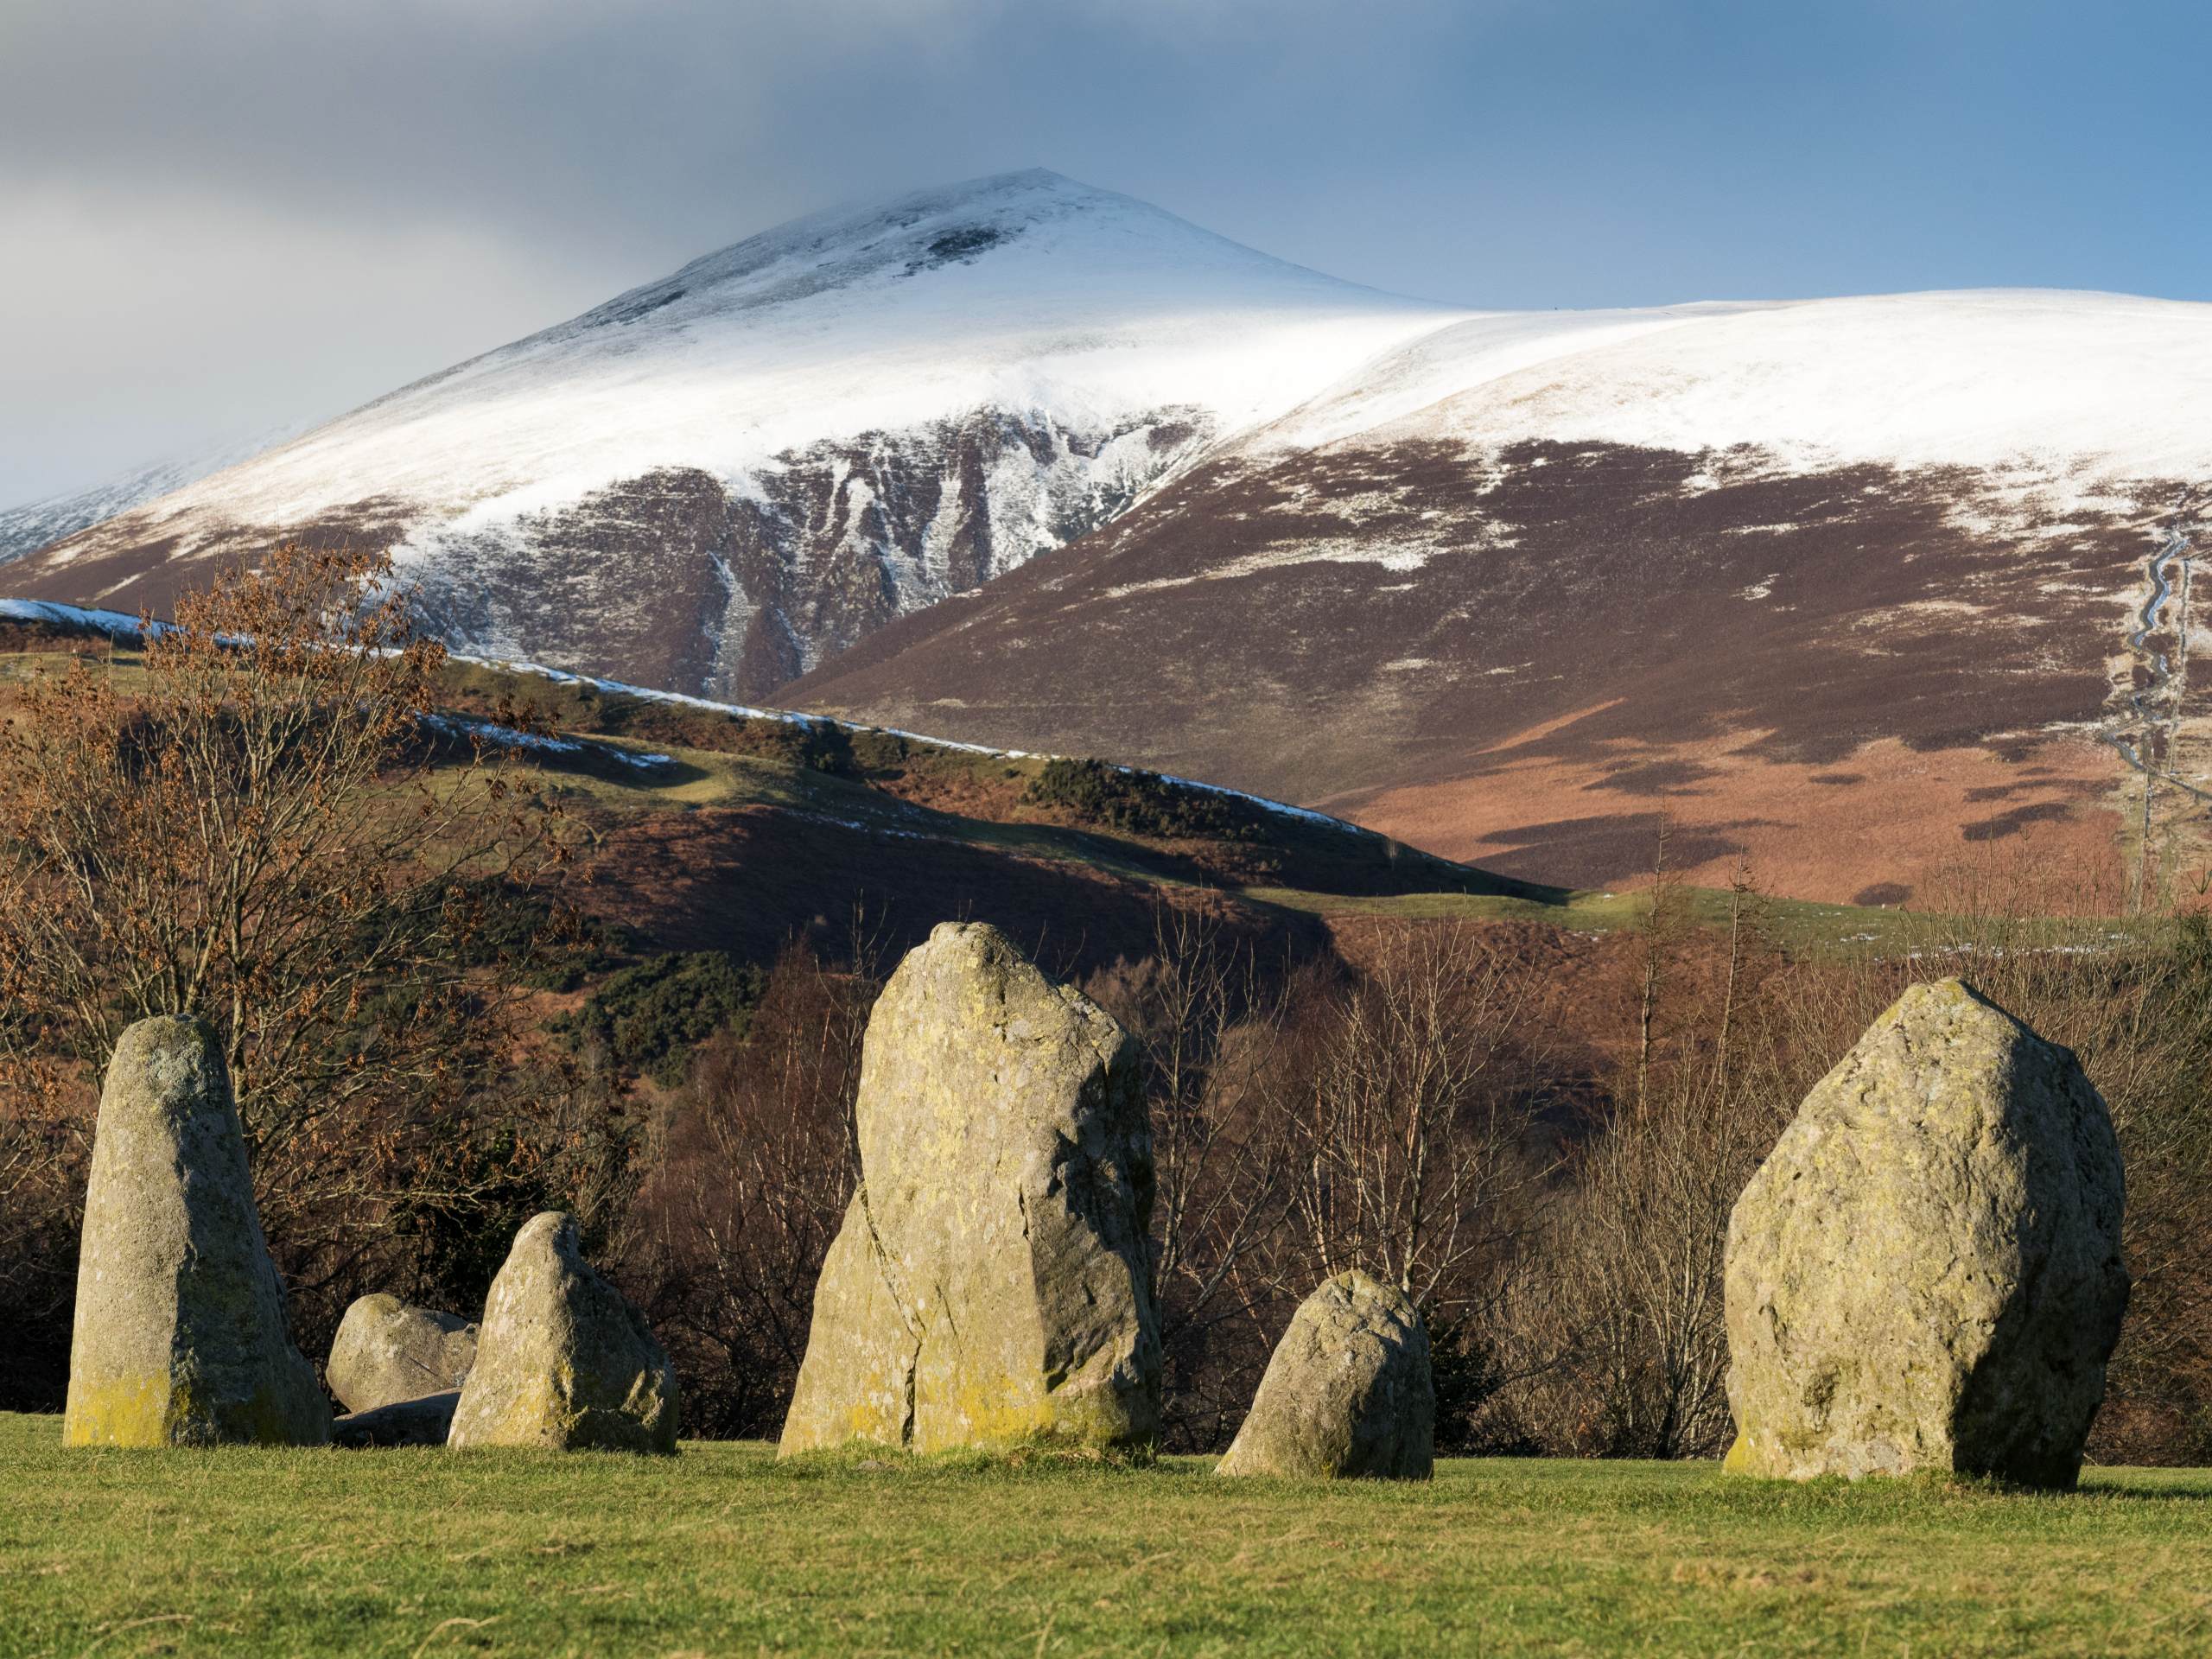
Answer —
563 1362
1926 1272
1347 1392
386 1351
180 1333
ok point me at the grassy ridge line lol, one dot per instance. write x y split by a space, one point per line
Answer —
724 1550
700 754
118 625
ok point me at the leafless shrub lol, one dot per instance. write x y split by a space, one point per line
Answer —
251 824
748 1173
1218 1028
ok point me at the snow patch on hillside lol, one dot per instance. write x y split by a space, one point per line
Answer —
2053 392
117 625
114 624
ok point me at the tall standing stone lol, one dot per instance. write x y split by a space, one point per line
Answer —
990 1285
1348 1391
1926 1272
562 1360
180 1334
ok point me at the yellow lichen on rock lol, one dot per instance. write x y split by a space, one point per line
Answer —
180 1335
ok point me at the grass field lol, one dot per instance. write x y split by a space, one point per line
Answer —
724 1551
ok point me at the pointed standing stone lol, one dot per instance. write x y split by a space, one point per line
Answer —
180 1334
562 1360
1926 1272
1348 1391
990 1285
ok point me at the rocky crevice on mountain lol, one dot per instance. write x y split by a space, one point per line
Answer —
730 589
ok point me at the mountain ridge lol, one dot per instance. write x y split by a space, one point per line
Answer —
1856 589
797 436
1039 466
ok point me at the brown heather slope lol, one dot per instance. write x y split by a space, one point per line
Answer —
1526 656
701 828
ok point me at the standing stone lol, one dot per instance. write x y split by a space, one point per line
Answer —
180 1336
387 1352
1926 1272
1347 1391
563 1362
990 1285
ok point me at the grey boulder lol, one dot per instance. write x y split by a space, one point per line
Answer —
990 1285
1926 1272
386 1351
1348 1391
563 1362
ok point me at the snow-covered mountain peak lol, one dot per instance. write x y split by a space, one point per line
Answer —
1036 213
1025 292
893 241
817 429
1020 256
722 479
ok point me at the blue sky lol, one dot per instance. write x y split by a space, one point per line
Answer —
221 216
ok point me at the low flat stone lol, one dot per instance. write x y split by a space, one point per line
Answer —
1348 1391
386 1351
424 1420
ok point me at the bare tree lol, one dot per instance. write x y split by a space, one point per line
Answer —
1216 1027
1639 1250
1414 1134
747 1180
258 820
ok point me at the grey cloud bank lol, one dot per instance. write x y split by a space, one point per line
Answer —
222 218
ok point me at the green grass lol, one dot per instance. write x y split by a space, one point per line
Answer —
724 1551
1795 921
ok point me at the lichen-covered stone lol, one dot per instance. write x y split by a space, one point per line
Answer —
386 1351
180 1335
989 1286
426 1420
1926 1272
1347 1392
562 1360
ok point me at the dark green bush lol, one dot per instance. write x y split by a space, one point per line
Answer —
537 940
1138 802
818 745
648 1018
873 751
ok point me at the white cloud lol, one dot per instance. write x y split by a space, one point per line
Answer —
143 327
